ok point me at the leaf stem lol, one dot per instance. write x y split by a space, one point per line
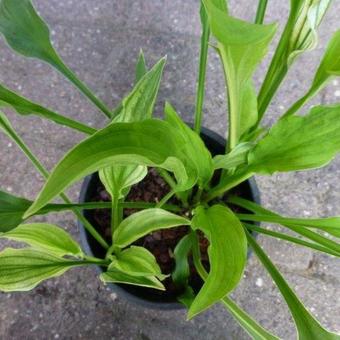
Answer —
290 239
202 70
223 187
71 76
28 153
105 205
172 184
115 214
196 254
261 10
165 199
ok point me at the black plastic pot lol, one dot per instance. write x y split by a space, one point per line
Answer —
143 296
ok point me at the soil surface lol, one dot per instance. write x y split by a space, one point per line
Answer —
160 243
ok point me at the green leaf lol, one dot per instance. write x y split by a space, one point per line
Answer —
291 239
140 102
117 276
141 67
299 35
301 230
137 261
195 147
46 237
307 16
187 297
297 143
330 225
24 107
144 222
23 269
27 33
151 142
181 273
137 106
307 326
12 209
238 156
241 46
227 254
329 67
255 330
119 178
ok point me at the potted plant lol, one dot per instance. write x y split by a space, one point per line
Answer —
164 180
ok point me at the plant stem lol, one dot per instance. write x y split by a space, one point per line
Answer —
105 205
196 254
165 199
172 184
234 103
66 121
70 75
261 10
198 195
233 181
202 70
305 232
95 260
26 150
114 213
290 239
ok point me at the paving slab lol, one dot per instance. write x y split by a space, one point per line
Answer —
100 40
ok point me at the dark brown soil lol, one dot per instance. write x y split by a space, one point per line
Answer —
160 243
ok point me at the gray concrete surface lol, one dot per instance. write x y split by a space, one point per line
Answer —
100 41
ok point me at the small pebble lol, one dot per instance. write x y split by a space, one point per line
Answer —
259 282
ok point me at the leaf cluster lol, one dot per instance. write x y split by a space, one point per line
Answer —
133 141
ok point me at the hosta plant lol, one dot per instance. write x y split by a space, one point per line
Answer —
133 142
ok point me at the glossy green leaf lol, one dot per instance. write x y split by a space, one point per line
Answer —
46 237
24 107
137 106
141 67
307 17
181 273
255 330
307 326
194 146
117 276
329 68
140 102
238 156
23 269
299 35
140 71
241 46
137 261
118 179
12 209
151 142
297 143
144 222
227 254
27 33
